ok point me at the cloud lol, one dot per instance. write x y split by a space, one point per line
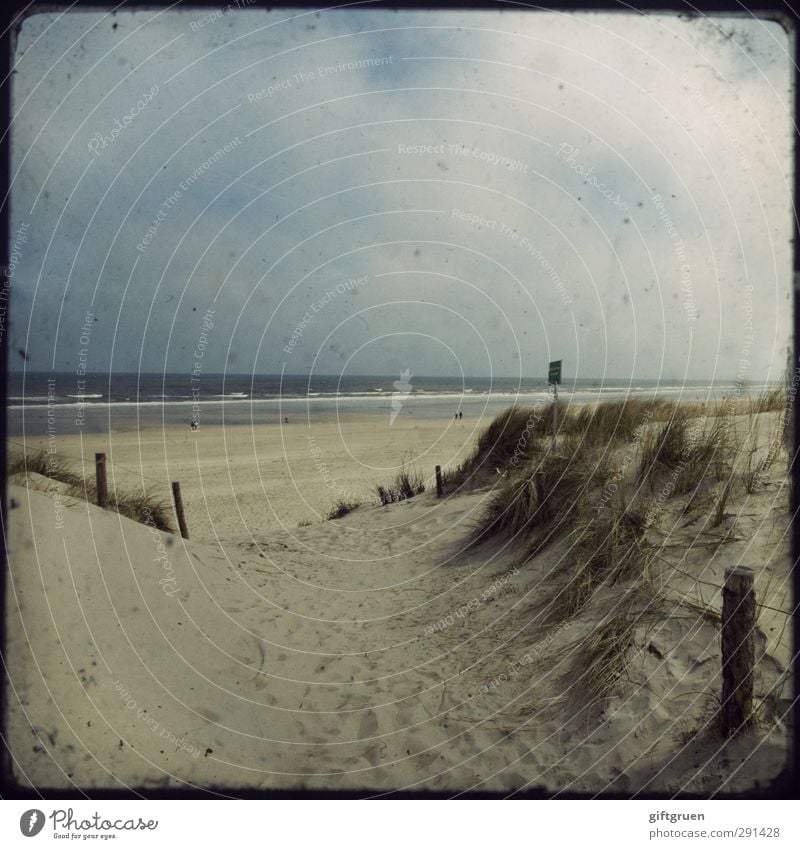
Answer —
632 257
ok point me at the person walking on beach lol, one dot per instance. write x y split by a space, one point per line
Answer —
195 423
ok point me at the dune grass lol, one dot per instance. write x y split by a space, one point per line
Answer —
43 463
407 484
542 497
520 435
750 467
136 504
610 422
678 448
683 449
141 507
596 497
768 401
600 661
509 442
753 458
687 451
342 508
603 551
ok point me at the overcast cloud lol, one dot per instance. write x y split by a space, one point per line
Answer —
166 164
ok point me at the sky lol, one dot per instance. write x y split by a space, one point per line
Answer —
368 191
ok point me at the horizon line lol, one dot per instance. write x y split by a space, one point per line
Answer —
390 374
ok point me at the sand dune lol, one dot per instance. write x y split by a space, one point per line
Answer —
374 652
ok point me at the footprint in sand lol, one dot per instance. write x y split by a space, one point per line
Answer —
207 714
369 725
375 754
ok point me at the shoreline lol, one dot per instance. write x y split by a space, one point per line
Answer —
241 479
99 417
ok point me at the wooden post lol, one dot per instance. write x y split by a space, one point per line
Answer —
439 484
555 416
100 478
738 648
176 494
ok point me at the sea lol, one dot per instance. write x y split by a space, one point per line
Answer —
39 403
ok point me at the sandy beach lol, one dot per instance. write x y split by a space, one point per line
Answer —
380 651
245 480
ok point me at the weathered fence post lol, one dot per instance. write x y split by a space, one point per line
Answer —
176 494
100 478
738 648
439 484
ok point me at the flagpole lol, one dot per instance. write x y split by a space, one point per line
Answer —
554 377
555 416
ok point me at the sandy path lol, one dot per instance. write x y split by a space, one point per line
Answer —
285 665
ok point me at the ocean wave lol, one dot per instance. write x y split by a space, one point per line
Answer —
373 398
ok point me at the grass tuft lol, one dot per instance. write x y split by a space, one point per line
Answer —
407 484
137 504
43 463
143 508
604 551
342 508
768 401
608 422
601 660
687 451
508 443
541 500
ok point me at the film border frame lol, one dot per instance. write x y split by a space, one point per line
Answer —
784 786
